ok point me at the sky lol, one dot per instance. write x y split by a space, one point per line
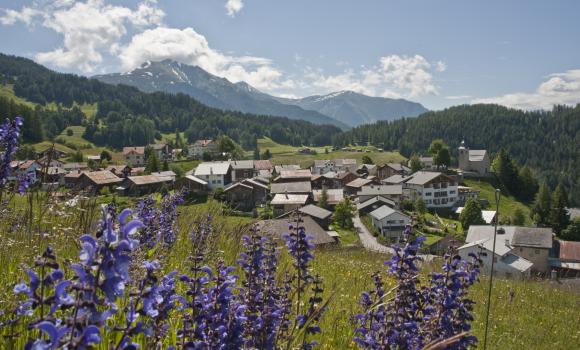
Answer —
519 53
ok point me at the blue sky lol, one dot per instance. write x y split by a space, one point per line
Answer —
524 54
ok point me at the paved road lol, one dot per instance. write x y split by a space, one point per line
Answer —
367 239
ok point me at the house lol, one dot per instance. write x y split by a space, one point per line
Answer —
51 153
473 162
436 189
396 179
192 184
356 185
242 169
427 163
144 184
284 202
344 178
318 214
519 251
201 147
169 174
390 222
322 166
71 180
46 162
277 228
328 180
263 168
335 196
216 174
464 193
52 175
134 156
488 216
373 204
387 170
442 245
565 259
291 187
95 158
366 170
94 181
162 151
122 170
75 166
246 194
392 192
279 168
301 175
26 168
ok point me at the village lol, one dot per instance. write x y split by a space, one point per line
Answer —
373 203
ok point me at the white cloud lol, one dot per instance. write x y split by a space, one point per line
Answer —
88 28
233 7
395 76
190 47
458 97
559 88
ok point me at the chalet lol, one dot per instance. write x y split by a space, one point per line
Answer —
392 192
387 170
322 166
145 184
71 180
216 174
344 178
374 203
518 252
283 203
263 168
366 170
52 175
294 176
201 147
442 245
192 184
46 162
427 163
122 170
279 168
328 180
396 179
75 166
246 194
162 151
242 169
51 153
26 168
436 189
390 222
356 185
134 156
335 196
291 188
464 193
473 162
565 259
169 174
318 214
94 181
279 227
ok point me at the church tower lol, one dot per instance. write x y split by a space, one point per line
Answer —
463 156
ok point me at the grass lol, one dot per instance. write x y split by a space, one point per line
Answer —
507 204
76 139
7 91
347 236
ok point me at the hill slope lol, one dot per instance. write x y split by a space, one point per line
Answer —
356 109
174 77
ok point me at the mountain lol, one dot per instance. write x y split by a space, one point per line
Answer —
174 77
356 109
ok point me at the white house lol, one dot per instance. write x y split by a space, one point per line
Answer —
199 147
323 166
390 222
134 156
436 189
24 167
216 174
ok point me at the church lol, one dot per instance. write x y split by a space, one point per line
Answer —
473 162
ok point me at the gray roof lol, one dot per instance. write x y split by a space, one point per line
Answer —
381 190
423 177
279 227
315 211
398 167
396 179
383 212
517 262
196 179
476 155
374 200
242 164
516 235
335 196
295 174
283 199
212 168
291 187
359 183
279 168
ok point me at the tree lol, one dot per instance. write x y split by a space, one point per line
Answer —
105 155
559 216
506 170
415 163
165 165
206 156
179 172
518 217
77 157
69 132
527 184
367 160
541 208
152 164
471 214
420 206
266 155
256 154
440 152
572 232
343 213
323 201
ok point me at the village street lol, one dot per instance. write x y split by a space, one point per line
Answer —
369 241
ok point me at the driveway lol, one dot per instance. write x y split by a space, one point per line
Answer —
367 240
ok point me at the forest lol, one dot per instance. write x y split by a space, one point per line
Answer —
546 141
126 117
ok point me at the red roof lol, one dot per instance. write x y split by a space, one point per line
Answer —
138 150
569 250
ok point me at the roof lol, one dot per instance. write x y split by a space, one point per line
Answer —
238 185
295 174
477 155
282 199
384 211
374 200
263 164
148 179
116 167
22 164
381 190
242 164
488 215
568 250
517 262
396 179
344 162
166 173
138 150
280 227
202 143
248 184
212 168
255 183
315 211
291 187
537 237
426 159
335 196
73 166
196 179
398 167
102 177
358 183
279 168
423 177
500 249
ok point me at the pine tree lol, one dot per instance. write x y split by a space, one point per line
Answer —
266 155
471 214
152 165
256 154
540 212
506 171
367 160
165 165
518 217
420 206
572 232
415 163
323 201
527 184
344 213
559 217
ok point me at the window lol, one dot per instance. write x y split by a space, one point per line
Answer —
428 194
436 186
444 185
451 192
537 251
213 182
